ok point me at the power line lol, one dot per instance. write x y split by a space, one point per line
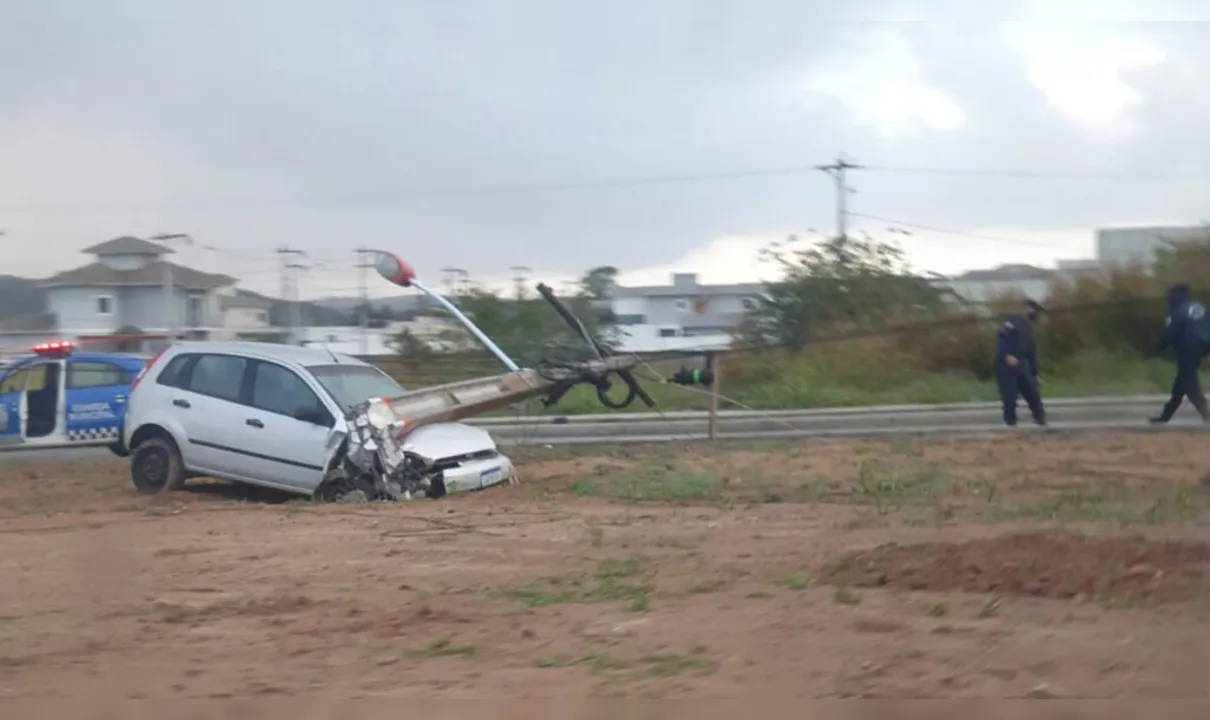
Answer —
955 233
606 183
1040 174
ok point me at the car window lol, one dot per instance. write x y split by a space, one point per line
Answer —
173 374
219 376
281 391
352 384
14 381
89 374
37 378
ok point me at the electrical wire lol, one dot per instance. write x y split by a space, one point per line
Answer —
955 233
602 183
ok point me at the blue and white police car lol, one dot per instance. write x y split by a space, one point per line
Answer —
58 397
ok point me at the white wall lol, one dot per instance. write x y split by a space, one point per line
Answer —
646 338
629 306
77 309
245 318
124 262
347 339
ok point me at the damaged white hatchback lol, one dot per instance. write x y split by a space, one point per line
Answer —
300 419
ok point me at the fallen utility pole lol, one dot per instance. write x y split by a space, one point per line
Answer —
377 462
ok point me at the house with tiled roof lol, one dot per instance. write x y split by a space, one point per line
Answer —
683 314
131 288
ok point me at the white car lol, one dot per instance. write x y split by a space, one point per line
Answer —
275 415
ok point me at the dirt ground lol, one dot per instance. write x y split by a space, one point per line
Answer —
1057 567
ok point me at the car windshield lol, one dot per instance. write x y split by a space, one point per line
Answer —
352 384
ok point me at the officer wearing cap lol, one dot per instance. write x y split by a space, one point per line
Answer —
1187 332
1017 364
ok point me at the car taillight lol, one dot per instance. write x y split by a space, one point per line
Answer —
145 369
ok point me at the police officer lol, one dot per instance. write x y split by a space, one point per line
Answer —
1017 364
1187 333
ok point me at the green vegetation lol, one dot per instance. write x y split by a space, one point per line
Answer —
656 665
444 647
613 581
849 324
918 481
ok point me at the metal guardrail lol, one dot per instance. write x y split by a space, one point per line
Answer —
811 413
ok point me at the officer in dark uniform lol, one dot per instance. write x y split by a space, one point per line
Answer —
1017 364
1186 332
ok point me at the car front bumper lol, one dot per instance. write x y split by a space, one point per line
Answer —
478 474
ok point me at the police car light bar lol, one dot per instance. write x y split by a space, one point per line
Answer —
57 348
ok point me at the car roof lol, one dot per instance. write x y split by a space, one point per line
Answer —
128 360
305 356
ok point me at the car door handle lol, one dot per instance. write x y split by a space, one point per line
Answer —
254 423
181 403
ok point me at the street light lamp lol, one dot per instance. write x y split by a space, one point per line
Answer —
171 314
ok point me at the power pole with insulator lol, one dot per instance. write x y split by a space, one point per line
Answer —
837 170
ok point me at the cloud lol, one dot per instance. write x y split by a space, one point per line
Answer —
876 75
325 126
1086 81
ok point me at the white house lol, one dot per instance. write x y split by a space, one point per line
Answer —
131 290
683 315
980 287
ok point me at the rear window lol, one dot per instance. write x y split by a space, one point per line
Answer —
352 384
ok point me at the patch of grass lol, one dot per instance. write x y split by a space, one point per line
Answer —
668 665
544 591
611 582
602 662
797 581
990 607
444 647
611 568
939 609
1111 502
758 595
707 586
653 480
890 488
553 661
654 665
846 596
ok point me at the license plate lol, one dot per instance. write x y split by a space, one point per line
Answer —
491 477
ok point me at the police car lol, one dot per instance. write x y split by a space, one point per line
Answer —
57 397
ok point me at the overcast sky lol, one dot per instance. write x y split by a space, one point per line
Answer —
485 134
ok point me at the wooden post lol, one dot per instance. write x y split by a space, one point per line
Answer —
714 363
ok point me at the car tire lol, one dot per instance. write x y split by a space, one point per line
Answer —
156 466
339 486
117 448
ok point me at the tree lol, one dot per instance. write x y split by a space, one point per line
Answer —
853 282
528 329
599 282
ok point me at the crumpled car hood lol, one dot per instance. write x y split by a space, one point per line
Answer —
443 440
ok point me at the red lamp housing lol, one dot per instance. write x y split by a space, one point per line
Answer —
393 269
54 348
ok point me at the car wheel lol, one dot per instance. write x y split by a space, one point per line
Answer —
156 466
339 486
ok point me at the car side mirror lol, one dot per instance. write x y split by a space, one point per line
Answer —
315 416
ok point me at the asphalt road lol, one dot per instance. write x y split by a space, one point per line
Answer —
1079 415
